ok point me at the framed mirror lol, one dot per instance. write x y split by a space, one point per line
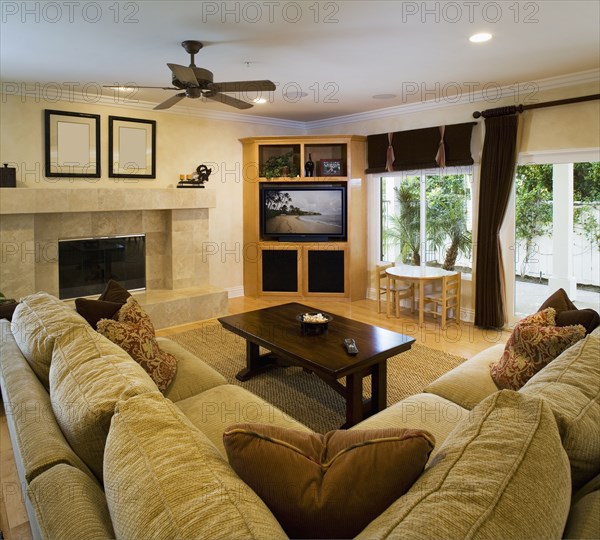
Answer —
131 148
72 144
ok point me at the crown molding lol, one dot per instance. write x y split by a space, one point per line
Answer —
196 112
504 92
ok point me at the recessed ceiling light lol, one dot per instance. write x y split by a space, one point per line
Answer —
294 94
259 100
384 96
480 38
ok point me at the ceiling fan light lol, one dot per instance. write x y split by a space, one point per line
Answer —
259 100
480 38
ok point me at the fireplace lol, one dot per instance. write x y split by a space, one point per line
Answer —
85 265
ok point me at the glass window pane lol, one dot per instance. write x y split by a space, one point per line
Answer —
540 260
449 224
400 223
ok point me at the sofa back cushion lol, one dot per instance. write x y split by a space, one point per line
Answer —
29 414
36 323
88 375
70 505
571 386
490 479
163 478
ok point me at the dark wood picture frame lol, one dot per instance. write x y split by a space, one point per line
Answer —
331 167
72 144
131 147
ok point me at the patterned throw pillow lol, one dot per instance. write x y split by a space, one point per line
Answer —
133 331
533 344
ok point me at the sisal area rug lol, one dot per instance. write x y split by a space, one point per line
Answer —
303 395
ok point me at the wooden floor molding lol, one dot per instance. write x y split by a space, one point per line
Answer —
463 340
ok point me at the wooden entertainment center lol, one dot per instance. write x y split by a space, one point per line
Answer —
307 268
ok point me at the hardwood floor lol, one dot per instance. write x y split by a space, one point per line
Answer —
464 340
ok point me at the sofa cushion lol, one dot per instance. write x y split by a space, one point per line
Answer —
133 331
534 342
219 407
584 518
63 487
326 486
88 375
571 386
94 310
164 479
193 376
37 321
29 413
432 413
489 480
470 382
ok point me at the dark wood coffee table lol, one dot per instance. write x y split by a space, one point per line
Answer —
277 330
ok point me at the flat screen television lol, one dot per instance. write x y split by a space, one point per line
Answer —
303 212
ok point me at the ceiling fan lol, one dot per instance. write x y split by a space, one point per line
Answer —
198 82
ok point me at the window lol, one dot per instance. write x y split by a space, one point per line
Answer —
427 210
557 233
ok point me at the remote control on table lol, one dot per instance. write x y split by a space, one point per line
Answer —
350 345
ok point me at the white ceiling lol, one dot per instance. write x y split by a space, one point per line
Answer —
340 53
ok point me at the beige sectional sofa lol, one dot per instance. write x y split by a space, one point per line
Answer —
102 454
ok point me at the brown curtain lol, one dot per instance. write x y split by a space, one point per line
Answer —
497 172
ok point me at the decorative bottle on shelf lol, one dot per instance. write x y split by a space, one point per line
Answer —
309 166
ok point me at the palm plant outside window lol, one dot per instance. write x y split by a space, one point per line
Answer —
426 219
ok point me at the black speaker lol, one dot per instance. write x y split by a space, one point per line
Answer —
280 270
326 271
8 176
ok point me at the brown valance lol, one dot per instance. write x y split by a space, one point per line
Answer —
417 148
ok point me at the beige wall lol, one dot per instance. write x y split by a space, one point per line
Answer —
182 143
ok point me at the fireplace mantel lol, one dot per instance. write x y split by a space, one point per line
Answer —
61 200
175 222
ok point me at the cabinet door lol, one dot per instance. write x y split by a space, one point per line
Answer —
326 272
280 270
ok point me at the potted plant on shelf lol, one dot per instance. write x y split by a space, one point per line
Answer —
278 166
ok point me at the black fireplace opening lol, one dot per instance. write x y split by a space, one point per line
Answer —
85 265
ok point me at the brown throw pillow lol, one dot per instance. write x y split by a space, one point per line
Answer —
94 310
558 300
133 331
567 313
327 486
114 293
533 344
587 318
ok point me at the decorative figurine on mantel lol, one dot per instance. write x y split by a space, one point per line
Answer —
197 179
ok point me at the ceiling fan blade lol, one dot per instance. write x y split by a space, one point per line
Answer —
184 74
136 87
170 102
243 86
228 100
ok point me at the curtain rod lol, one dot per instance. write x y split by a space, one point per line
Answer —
512 109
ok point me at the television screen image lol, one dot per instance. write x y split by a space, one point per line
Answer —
305 212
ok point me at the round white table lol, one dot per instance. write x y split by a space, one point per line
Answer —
420 275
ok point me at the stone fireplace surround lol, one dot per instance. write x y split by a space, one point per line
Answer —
175 222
